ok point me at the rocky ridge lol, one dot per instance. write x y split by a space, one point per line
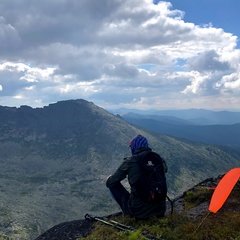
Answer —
75 230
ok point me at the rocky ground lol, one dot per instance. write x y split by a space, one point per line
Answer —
68 231
81 228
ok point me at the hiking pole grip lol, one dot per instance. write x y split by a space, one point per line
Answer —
88 217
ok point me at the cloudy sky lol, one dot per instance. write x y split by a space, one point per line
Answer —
118 53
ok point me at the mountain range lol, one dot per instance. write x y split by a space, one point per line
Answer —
186 128
54 162
189 116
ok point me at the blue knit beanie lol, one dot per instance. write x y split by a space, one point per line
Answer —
138 142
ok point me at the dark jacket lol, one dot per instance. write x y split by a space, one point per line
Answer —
129 168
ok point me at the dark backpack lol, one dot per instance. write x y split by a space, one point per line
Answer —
151 185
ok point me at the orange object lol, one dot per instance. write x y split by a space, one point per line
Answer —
223 189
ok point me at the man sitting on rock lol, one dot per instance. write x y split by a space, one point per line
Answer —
134 204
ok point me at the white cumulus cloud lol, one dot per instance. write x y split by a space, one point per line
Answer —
115 53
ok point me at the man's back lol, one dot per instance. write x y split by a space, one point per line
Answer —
132 203
140 205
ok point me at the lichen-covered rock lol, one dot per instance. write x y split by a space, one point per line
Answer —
68 230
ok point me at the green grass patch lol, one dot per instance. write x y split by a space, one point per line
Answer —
196 196
225 224
174 227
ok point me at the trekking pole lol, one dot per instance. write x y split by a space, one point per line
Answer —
122 227
89 217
